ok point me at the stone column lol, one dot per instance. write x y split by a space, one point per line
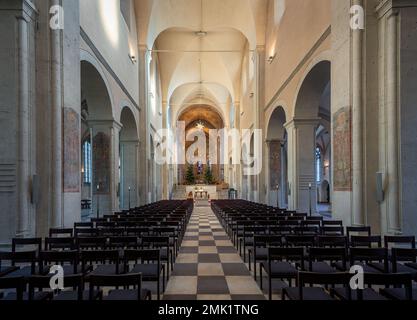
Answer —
23 130
358 214
128 179
301 154
393 174
56 132
143 122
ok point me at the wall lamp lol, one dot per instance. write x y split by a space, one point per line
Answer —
133 58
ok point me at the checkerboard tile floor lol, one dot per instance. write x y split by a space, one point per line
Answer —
208 267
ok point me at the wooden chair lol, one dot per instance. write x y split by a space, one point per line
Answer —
315 293
148 264
282 264
126 280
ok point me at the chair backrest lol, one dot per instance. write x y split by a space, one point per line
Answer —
155 242
20 257
91 243
300 240
312 278
59 244
16 283
327 254
22 242
265 241
332 223
75 281
83 225
124 280
280 230
403 255
58 258
295 254
366 241
332 230
67 232
369 255
332 241
86 232
123 242
142 256
358 231
393 240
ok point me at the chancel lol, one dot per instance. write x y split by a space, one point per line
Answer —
109 163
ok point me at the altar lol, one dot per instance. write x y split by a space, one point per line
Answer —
203 192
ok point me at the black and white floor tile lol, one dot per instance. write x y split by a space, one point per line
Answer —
208 267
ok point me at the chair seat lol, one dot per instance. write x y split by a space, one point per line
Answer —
319 267
281 269
25 272
313 294
106 269
73 295
397 293
5 270
400 268
368 294
412 265
127 295
38 296
147 270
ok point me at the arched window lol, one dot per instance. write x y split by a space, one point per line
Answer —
88 163
318 164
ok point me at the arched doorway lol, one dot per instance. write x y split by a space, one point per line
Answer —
128 163
276 141
312 110
99 194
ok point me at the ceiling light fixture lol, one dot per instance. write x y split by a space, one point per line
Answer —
201 33
132 58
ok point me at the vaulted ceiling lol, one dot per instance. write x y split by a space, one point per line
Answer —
200 46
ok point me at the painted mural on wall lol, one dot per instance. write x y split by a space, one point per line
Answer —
274 164
342 139
101 163
71 151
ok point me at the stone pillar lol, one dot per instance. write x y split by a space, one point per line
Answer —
23 129
128 179
301 154
143 123
259 185
57 219
358 214
389 116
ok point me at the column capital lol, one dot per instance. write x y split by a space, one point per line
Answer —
302 122
110 123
